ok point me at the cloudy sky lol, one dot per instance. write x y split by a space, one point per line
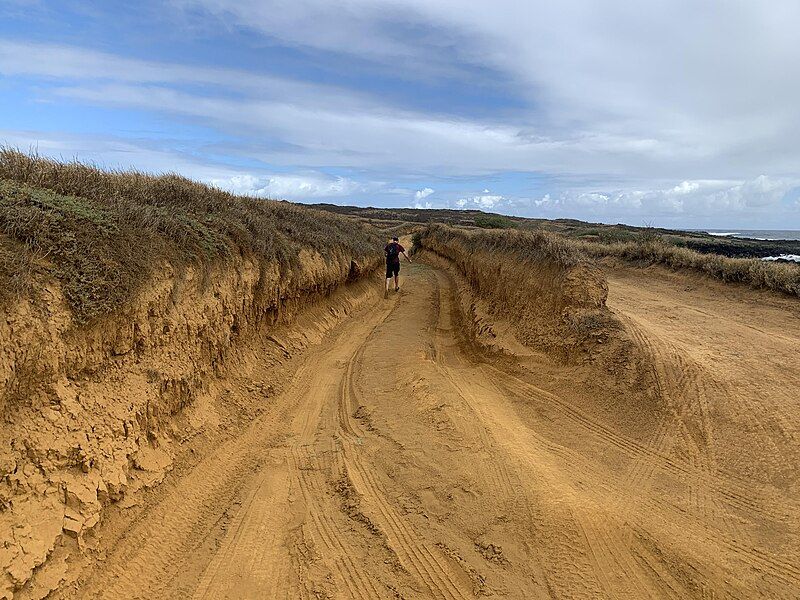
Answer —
667 112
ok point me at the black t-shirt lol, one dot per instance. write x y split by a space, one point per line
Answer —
393 258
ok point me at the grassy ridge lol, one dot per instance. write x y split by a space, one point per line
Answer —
549 292
754 272
527 246
649 248
102 233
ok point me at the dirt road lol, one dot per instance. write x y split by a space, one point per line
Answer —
398 465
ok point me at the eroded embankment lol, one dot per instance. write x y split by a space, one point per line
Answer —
91 412
535 287
124 296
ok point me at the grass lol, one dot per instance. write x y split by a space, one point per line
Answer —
647 247
574 229
17 265
102 234
757 273
528 245
493 222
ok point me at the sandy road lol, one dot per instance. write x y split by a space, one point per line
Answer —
397 465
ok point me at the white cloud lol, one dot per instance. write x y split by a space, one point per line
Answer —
711 200
658 90
289 187
691 103
422 194
686 187
321 125
484 200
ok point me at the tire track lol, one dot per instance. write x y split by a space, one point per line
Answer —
679 378
707 493
753 500
420 558
324 529
510 485
256 531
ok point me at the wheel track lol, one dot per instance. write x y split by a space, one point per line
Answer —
324 528
511 486
152 552
309 475
709 492
420 557
703 478
684 377
753 500
263 561
675 379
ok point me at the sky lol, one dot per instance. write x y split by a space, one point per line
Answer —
671 113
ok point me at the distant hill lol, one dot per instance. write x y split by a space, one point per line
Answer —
573 228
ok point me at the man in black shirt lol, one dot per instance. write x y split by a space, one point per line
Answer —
393 250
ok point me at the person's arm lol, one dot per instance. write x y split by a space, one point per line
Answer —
406 255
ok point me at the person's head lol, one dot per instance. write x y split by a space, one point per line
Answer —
395 239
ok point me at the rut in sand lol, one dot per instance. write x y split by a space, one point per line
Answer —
400 463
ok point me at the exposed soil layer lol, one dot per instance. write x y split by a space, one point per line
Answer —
403 459
93 414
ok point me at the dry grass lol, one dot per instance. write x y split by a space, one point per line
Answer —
17 265
757 273
648 249
526 245
104 232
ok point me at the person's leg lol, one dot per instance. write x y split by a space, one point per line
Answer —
396 282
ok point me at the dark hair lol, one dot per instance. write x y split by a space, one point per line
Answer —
395 239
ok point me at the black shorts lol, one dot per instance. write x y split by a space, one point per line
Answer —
392 269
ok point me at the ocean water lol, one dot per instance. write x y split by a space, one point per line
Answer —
791 257
755 234
760 234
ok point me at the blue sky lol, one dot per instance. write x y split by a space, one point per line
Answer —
670 113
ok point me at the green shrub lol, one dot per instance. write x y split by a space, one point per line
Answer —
493 222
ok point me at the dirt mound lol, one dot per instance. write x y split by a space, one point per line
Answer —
534 286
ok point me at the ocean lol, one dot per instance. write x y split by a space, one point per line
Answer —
755 234
760 234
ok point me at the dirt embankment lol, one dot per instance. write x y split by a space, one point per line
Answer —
533 286
124 296
90 413
452 473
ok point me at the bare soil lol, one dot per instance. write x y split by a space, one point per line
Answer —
400 461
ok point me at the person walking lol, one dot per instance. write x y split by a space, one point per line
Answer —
393 250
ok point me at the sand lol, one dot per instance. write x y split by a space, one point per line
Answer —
399 462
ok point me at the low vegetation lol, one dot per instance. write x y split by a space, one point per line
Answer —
540 283
646 247
757 273
103 233
493 222
572 228
526 246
